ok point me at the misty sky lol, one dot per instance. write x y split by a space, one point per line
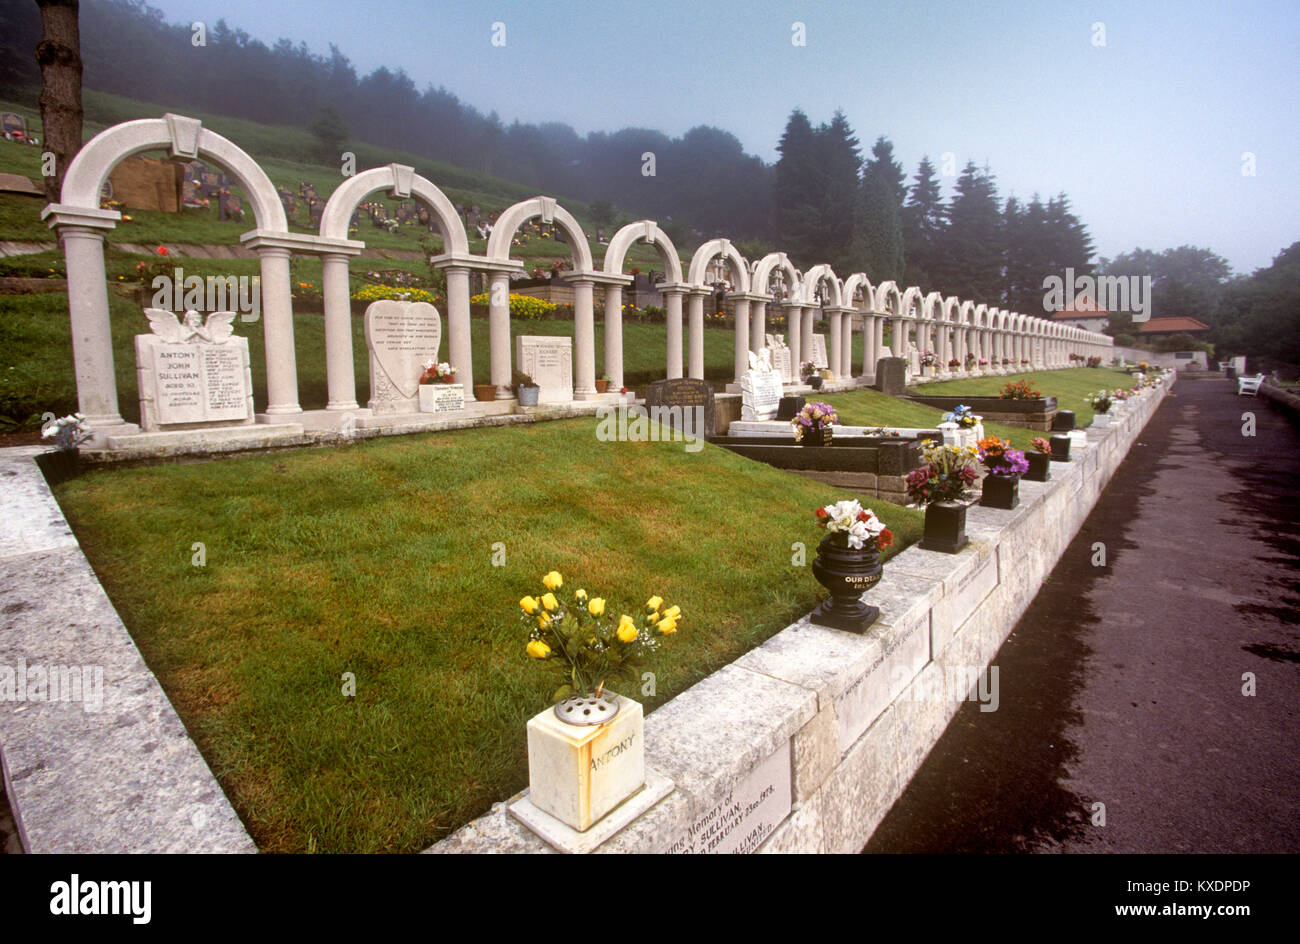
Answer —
1146 133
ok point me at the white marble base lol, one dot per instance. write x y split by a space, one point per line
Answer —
566 839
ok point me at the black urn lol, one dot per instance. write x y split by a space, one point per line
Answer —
1000 491
945 527
847 573
1040 467
1060 448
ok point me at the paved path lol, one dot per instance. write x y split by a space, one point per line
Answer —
1123 684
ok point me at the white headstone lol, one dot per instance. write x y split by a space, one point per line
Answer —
402 336
549 361
190 373
819 358
782 365
760 395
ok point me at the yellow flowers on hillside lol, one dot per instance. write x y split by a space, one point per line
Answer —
524 307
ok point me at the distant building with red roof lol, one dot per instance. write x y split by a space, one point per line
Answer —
1084 313
1177 325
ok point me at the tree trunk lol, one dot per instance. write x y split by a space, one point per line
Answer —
59 56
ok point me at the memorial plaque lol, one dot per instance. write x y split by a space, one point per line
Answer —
819 358
747 815
549 361
689 403
191 374
402 336
211 184
782 364
442 398
977 583
760 395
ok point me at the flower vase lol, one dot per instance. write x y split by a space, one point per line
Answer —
1040 467
581 763
1060 448
847 573
816 437
1000 491
945 527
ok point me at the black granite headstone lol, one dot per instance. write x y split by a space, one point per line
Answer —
687 393
1063 422
891 376
789 407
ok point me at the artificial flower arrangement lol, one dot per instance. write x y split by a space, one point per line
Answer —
813 417
963 416
946 475
437 373
984 362
1094 361
1020 390
853 526
970 358
1099 401
68 432
1000 459
953 362
928 359
807 369
1041 445
584 642
1120 394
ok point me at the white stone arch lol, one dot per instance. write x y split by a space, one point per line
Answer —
81 225
813 277
646 231
401 182
186 138
719 247
858 282
981 314
508 223
889 300
762 275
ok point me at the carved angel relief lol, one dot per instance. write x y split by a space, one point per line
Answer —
173 330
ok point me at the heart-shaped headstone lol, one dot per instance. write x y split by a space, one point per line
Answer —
402 337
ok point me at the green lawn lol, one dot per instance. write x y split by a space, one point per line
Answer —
375 559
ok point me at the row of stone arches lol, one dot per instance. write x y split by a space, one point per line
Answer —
943 325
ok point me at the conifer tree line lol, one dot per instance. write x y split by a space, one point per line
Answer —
862 213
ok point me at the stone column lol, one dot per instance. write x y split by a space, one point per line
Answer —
673 307
742 337
898 341
340 369
499 333
92 334
614 336
878 349
794 338
459 354
277 321
833 342
807 323
695 342
758 325
584 340
846 347
941 347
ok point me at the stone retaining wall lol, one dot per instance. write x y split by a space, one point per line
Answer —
803 744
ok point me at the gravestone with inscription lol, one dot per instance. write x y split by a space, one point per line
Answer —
686 401
192 374
760 391
746 815
891 376
549 361
819 358
14 124
402 337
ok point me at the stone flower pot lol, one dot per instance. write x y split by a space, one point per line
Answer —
1000 491
945 527
583 763
485 392
847 573
1101 420
1040 467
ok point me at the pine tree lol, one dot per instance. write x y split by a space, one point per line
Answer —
924 219
798 190
973 242
840 160
878 240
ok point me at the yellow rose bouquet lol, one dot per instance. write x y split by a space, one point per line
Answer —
580 635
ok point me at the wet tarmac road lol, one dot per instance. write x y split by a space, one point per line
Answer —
1123 684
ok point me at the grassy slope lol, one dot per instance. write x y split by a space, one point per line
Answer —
375 559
